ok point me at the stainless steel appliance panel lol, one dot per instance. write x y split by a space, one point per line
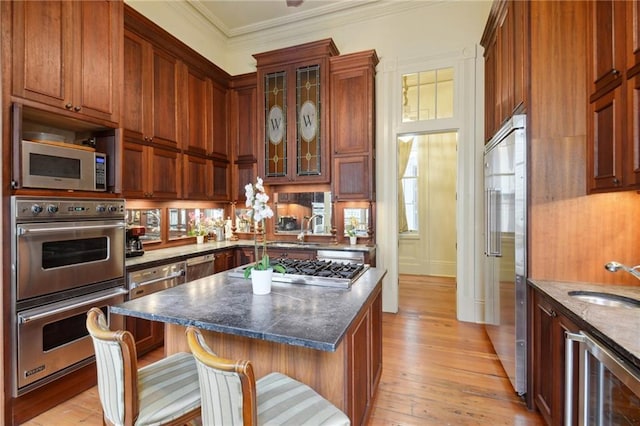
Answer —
609 391
62 244
152 280
58 167
53 338
505 248
58 256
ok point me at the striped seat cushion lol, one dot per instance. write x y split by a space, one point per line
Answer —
284 401
168 389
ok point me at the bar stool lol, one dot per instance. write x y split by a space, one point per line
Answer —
163 393
231 395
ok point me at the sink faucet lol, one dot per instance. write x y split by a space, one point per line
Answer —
313 216
616 266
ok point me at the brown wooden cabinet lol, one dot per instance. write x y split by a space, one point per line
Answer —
245 255
151 171
198 177
68 55
198 110
224 260
293 118
243 130
364 349
548 358
179 102
505 43
205 142
613 150
147 334
353 125
150 113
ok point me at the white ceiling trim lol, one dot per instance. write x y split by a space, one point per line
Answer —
312 28
328 9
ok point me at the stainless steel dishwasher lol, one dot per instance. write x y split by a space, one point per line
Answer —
200 266
154 279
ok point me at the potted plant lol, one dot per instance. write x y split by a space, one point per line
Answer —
199 226
353 237
351 230
261 272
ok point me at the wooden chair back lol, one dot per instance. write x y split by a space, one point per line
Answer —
228 387
117 365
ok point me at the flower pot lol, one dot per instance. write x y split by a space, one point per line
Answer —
200 239
261 281
353 240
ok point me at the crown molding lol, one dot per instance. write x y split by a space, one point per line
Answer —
321 26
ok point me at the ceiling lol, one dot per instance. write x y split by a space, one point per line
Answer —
238 17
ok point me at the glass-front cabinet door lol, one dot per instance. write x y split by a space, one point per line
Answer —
293 94
308 136
275 143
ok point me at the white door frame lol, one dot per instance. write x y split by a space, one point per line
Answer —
467 121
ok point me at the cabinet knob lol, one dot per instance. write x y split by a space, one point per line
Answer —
68 106
615 72
553 313
76 109
616 181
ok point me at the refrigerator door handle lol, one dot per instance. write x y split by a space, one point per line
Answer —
493 246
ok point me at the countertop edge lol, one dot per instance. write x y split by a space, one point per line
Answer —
603 323
328 345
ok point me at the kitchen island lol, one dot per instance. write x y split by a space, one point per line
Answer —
328 338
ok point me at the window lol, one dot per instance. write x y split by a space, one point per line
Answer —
408 161
427 95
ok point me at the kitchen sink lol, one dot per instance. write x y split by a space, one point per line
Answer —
606 299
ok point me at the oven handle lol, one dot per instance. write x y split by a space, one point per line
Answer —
178 274
23 319
22 231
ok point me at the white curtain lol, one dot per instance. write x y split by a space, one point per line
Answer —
404 151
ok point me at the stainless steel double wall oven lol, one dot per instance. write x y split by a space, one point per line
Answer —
67 256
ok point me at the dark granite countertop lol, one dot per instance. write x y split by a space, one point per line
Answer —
176 254
303 315
617 327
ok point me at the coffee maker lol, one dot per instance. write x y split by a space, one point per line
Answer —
134 244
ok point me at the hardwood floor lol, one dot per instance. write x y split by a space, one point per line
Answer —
440 371
436 370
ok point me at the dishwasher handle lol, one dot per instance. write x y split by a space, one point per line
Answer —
177 274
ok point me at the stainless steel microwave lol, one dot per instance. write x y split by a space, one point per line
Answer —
58 167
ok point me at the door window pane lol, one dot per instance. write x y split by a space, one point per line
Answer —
427 95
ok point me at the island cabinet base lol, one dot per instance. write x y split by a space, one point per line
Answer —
348 377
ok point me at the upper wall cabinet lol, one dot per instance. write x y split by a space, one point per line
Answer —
293 119
613 132
198 88
242 132
68 55
177 108
505 51
353 125
150 113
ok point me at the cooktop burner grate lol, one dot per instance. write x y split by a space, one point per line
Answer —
325 273
320 268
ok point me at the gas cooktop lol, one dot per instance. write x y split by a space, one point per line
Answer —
325 273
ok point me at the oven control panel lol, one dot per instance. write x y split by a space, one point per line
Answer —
30 208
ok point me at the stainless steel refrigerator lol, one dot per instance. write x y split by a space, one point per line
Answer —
505 285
